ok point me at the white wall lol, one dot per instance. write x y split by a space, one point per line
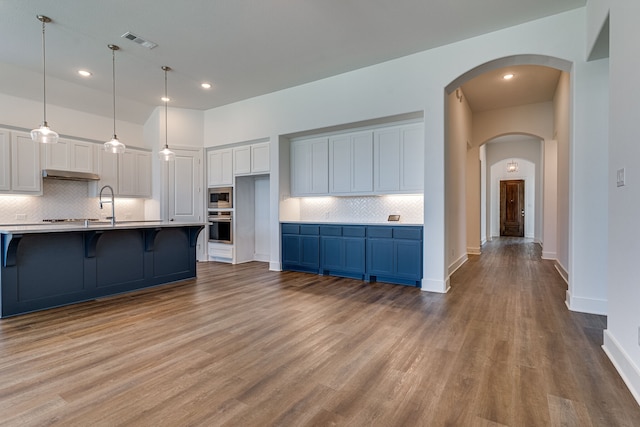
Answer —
457 166
621 336
561 134
27 114
526 152
185 128
530 119
415 83
483 196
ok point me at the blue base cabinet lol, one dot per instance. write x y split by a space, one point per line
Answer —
301 247
394 254
382 253
342 251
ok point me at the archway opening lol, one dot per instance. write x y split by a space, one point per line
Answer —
487 124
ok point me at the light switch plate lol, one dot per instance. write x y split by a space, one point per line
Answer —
620 178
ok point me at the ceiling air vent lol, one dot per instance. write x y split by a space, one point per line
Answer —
142 42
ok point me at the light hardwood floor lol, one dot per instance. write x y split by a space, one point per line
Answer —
242 346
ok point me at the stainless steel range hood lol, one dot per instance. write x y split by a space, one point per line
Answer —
69 175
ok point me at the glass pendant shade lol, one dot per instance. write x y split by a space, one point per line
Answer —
114 145
44 134
165 154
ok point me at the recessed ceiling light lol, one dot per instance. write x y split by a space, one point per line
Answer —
165 99
84 73
508 76
206 85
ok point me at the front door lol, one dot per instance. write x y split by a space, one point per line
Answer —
512 208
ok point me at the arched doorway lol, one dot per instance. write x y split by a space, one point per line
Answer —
467 132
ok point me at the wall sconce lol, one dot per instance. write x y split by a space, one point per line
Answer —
512 166
459 95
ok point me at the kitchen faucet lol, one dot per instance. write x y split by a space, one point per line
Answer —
113 210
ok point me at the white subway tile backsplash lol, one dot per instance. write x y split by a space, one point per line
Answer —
64 199
369 209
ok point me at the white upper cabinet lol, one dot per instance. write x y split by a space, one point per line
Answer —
398 165
242 160
251 159
351 163
260 158
26 174
69 155
220 167
386 164
385 160
310 167
134 174
412 158
5 160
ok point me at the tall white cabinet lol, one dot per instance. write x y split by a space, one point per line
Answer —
26 175
5 160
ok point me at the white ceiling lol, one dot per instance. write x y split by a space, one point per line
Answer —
530 84
245 48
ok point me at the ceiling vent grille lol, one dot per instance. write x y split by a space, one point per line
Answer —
142 42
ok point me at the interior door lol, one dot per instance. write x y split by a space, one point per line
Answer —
183 182
185 197
512 208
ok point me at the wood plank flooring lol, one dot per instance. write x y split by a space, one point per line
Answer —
242 346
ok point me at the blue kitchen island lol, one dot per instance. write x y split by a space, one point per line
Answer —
45 266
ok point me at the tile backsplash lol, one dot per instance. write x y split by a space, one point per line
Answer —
64 199
363 209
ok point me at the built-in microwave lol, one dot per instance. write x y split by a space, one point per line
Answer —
220 198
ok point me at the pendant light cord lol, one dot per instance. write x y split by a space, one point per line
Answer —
44 77
113 65
166 102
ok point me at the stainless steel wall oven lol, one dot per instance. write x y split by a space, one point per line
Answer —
221 226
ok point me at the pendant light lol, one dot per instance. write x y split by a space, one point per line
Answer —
166 154
114 146
44 134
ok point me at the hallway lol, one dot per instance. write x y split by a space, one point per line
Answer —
244 346
526 359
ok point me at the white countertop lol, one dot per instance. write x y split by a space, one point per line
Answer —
66 227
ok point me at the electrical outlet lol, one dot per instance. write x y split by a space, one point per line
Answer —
21 216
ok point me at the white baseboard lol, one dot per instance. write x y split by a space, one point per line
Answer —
275 266
457 264
549 255
562 272
626 367
261 257
473 251
439 286
586 305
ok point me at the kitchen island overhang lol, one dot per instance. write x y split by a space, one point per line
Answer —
46 266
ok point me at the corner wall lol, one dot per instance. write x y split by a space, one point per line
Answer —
621 340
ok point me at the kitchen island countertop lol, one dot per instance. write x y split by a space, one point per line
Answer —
63 227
